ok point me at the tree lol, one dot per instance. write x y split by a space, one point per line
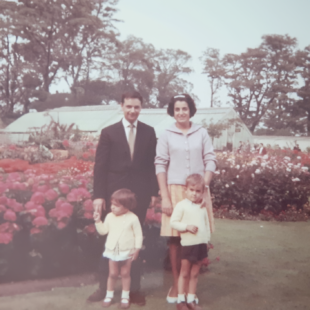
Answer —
170 65
215 71
303 104
260 78
54 30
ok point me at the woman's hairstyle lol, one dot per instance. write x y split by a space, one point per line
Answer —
132 95
195 179
124 197
183 97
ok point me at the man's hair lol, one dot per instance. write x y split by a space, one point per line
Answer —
195 179
183 97
124 197
132 95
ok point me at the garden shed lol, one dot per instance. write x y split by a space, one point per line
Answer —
92 119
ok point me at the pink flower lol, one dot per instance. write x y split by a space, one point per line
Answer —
64 188
40 211
40 221
62 215
149 215
65 143
3 187
10 216
6 238
3 200
14 177
88 215
67 208
78 194
51 195
2 208
15 206
30 205
52 213
90 229
61 225
35 230
38 198
43 188
59 202
88 205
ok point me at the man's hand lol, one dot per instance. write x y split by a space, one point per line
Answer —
99 205
153 201
97 217
192 229
134 254
166 206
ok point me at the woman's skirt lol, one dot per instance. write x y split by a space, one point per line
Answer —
177 193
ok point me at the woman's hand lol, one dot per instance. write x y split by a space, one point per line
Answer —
166 206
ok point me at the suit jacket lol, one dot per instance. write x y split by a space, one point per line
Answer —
114 168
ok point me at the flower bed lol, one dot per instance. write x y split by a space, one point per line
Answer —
275 186
46 225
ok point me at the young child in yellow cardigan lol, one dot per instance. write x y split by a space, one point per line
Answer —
190 217
123 243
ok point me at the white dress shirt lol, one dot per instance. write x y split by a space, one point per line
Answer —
127 124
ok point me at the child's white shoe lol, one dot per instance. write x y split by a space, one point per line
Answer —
171 300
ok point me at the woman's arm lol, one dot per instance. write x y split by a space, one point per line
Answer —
161 162
166 204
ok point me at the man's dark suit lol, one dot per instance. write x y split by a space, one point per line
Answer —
114 170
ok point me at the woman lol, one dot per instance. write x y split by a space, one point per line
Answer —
183 149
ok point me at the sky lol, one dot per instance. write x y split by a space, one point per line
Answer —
231 26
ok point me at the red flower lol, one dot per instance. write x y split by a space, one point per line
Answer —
12 147
78 194
51 195
35 230
88 205
85 155
88 215
38 198
64 188
40 221
14 177
92 151
6 238
10 216
65 143
8 227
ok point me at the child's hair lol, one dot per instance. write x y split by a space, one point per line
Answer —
124 197
195 179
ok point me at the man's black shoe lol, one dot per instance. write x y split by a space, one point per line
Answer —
137 298
97 296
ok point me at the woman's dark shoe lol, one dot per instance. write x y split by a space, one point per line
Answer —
97 296
193 306
182 306
137 298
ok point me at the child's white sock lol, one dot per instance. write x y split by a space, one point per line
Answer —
181 298
190 298
125 294
110 294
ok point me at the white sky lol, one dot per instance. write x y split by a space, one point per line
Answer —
228 25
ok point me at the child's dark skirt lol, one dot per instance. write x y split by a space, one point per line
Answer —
194 253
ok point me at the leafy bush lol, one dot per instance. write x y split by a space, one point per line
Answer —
271 183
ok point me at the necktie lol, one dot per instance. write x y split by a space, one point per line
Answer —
131 139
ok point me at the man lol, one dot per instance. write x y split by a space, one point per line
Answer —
125 159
